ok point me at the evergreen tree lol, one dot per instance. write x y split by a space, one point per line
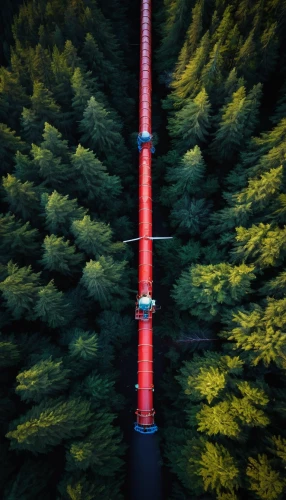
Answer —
19 290
59 255
239 118
258 331
47 424
42 379
190 215
81 93
224 444
9 352
173 29
91 236
191 123
83 346
12 98
43 108
25 169
187 176
202 289
23 198
263 244
100 448
98 129
192 38
265 481
52 140
52 307
188 84
9 144
103 279
50 168
16 238
60 212
93 180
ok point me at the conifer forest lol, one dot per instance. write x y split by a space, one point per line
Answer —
69 78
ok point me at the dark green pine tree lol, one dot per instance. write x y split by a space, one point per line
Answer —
52 307
92 237
190 125
103 280
238 121
45 378
59 255
43 109
19 290
93 180
22 197
47 424
60 212
9 144
16 238
98 128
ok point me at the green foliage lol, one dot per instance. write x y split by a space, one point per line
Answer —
45 378
190 215
16 238
47 424
23 198
9 144
204 290
188 175
176 17
93 181
52 140
99 449
190 125
43 109
83 345
262 244
60 212
265 481
20 290
98 128
81 93
188 85
218 469
31 479
238 121
52 307
103 279
91 236
259 332
50 169
9 352
66 78
226 203
59 255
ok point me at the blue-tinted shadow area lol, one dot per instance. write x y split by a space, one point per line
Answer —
145 467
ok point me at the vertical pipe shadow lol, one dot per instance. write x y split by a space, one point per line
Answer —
145 467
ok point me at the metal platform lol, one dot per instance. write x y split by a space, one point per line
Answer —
145 429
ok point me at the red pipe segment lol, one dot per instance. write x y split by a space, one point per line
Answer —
145 411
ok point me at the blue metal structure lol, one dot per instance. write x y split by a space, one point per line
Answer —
144 138
151 429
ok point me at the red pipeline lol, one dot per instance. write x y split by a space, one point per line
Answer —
145 411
